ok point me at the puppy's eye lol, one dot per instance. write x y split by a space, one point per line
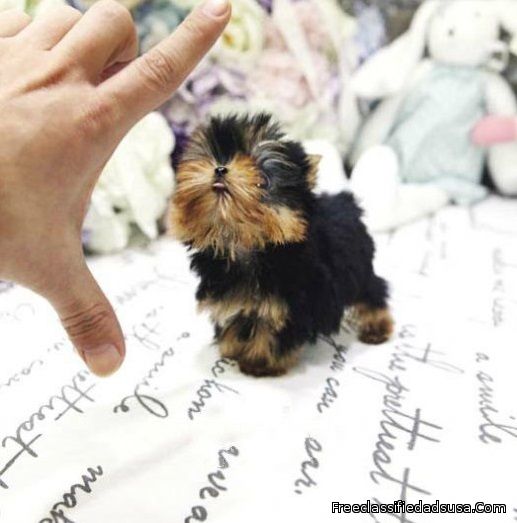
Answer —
265 182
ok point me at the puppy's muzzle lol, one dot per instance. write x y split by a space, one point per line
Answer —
219 184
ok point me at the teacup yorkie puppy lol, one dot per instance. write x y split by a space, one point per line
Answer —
278 264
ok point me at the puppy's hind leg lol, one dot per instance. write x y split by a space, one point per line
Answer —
371 317
374 326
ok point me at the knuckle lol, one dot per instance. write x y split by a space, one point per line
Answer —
70 12
22 16
17 17
86 322
97 116
15 12
114 11
158 69
194 28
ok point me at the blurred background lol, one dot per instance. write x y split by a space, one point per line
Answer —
294 58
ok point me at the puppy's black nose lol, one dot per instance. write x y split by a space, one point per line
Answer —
220 171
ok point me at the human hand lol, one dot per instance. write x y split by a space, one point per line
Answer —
70 89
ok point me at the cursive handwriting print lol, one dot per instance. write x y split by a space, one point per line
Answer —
72 397
18 376
206 392
70 498
214 484
493 427
309 465
179 434
150 403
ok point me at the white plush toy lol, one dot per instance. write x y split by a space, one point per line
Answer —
415 153
133 190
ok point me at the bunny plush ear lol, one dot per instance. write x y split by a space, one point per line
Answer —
386 72
507 14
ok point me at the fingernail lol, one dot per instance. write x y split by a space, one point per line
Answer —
104 360
216 8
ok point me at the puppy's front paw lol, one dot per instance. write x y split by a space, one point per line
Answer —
261 368
269 365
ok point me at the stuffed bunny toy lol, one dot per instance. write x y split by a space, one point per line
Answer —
415 153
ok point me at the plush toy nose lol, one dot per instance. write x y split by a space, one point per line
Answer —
220 171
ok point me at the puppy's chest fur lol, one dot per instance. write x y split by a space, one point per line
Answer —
243 288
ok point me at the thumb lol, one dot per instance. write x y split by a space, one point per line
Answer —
90 321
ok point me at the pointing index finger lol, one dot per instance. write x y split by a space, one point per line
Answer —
149 80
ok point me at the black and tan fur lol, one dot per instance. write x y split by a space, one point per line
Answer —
278 265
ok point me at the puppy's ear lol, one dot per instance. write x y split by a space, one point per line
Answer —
312 176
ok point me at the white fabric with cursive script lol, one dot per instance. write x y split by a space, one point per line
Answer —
179 435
